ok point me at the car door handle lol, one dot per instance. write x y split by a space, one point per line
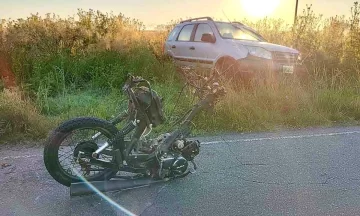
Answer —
192 48
173 46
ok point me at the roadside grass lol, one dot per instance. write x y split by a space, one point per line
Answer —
67 68
285 104
19 118
80 103
266 107
106 104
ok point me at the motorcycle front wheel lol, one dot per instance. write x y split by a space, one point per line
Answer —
68 150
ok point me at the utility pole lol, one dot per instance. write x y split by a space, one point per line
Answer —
296 10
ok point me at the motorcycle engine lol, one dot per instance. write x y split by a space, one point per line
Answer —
189 149
176 161
173 164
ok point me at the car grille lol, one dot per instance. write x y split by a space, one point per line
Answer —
285 58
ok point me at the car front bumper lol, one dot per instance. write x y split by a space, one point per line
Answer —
254 65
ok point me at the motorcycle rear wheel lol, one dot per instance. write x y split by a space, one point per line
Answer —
54 141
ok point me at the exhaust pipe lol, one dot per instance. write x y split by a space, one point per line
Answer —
87 188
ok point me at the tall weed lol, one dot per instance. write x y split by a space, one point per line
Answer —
20 119
76 66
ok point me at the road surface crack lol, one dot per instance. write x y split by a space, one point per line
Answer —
154 200
251 164
232 153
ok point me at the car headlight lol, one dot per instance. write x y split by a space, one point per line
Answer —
259 52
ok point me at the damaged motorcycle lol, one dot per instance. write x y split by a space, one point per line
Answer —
90 150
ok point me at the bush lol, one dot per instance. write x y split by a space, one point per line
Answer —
51 54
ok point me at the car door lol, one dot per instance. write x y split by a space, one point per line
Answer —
181 46
169 42
204 53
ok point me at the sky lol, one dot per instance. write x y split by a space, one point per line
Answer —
155 12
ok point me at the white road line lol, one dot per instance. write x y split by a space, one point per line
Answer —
280 138
17 157
232 141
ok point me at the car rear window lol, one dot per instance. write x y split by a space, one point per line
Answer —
185 34
202 29
173 33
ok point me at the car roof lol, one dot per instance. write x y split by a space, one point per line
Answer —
186 22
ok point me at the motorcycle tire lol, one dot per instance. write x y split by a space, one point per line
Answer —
54 141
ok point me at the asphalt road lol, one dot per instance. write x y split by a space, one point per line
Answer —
308 172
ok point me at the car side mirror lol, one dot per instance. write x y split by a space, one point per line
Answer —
208 38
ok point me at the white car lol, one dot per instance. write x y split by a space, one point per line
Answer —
203 42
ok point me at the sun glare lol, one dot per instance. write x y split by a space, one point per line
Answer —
259 8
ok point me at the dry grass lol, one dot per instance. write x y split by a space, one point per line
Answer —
53 57
19 118
286 104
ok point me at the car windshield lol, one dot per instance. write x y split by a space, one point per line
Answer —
235 31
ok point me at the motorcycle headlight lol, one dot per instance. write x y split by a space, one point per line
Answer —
259 52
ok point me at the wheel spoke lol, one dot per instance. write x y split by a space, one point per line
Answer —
81 137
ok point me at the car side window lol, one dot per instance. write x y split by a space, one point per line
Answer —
185 34
173 33
202 29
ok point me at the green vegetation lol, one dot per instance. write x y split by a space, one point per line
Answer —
66 68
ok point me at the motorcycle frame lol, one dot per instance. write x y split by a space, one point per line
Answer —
181 132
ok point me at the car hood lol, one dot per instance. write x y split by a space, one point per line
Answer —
268 46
